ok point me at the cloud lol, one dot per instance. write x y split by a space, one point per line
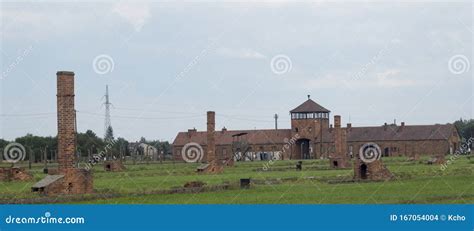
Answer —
389 78
392 78
135 13
25 21
240 53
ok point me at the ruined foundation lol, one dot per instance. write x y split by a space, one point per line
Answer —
69 179
339 158
339 162
439 159
214 165
375 170
114 166
14 174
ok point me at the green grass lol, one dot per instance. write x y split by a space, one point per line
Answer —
415 182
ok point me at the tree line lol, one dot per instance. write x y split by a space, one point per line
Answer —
39 147
465 128
87 144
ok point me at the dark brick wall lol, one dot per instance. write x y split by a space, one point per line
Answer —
14 174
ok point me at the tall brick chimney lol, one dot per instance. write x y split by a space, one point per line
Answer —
337 121
66 120
211 140
69 179
339 137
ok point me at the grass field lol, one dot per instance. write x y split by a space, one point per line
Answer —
416 182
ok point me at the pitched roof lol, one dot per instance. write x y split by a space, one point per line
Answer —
394 132
267 136
362 134
47 180
309 106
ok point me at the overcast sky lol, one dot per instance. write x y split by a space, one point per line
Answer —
166 64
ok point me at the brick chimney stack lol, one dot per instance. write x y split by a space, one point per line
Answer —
66 120
337 121
339 137
401 126
211 143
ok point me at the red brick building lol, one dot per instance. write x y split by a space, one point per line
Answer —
312 136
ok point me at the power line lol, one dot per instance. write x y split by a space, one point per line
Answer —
28 114
157 111
139 117
245 119
191 115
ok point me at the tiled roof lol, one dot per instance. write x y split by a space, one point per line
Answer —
309 106
270 136
393 132
363 134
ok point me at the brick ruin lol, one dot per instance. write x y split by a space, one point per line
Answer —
214 165
68 179
372 169
339 158
15 174
114 166
311 136
437 159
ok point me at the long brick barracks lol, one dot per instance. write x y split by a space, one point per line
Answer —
312 137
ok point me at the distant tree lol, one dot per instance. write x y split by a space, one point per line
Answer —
3 143
89 143
465 128
109 134
37 146
120 148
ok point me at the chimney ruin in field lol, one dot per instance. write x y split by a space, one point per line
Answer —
68 178
339 158
214 164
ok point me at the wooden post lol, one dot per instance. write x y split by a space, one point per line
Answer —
29 160
45 158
